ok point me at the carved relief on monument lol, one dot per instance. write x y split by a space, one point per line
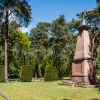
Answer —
78 68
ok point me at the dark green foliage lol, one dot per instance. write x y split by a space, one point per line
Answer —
26 73
19 8
98 63
13 70
1 73
98 5
21 11
51 44
40 44
50 73
63 45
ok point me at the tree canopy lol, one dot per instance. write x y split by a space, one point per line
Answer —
47 44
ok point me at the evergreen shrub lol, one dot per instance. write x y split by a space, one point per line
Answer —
50 73
2 75
26 73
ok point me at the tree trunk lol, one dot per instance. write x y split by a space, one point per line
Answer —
93 40
37 70
93 46
6 44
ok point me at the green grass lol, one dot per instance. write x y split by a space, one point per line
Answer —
47 91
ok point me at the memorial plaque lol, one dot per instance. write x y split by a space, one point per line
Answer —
78 68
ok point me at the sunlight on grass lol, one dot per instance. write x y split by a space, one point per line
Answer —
1 98
46 91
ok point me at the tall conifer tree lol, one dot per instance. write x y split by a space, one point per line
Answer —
20 10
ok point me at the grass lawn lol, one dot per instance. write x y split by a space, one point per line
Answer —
47 91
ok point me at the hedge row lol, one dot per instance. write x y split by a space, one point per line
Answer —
26 73
2 76
50 73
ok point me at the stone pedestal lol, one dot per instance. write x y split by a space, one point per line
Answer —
83 65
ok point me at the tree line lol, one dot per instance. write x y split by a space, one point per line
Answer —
48 44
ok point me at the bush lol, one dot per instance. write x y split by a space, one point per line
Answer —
50 73
2 75
13 71
26 73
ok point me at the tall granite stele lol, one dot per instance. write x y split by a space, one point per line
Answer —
83 65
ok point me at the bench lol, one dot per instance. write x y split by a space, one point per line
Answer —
13 79
38 79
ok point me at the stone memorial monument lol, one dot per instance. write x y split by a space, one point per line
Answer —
83 65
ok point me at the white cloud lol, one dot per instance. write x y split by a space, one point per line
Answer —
23 29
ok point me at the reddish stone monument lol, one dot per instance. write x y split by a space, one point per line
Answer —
83 65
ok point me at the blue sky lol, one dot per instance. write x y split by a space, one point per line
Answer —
49 10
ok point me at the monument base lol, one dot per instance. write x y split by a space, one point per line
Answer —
83 71
86 80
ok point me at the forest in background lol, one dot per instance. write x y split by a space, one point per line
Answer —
48 44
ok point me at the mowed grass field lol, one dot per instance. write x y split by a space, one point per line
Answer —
47 91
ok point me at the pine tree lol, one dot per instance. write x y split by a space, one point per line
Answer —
21 11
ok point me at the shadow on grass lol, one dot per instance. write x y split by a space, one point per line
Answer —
94 99
98 81
98 89
89 99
